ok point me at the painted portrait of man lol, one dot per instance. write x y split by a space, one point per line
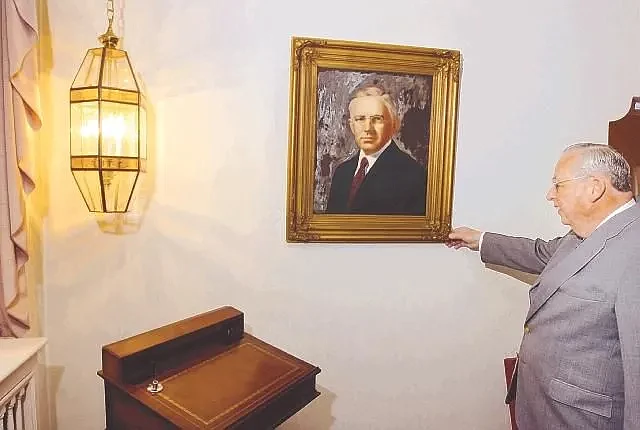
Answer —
372 143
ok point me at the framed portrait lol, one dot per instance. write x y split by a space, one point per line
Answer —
372 136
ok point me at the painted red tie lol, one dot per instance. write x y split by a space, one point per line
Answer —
357 179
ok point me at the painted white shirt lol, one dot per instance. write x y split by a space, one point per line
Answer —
370 158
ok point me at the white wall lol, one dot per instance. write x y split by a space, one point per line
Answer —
415 344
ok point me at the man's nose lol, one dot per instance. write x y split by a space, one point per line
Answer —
551 193
368 124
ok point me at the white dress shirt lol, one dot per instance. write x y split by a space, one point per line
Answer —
371 158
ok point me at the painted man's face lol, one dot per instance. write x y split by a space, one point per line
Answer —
370 122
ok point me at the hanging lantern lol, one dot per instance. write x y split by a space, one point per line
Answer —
108 126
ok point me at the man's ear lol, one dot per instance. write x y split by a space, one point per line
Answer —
353 131
598 187
396 126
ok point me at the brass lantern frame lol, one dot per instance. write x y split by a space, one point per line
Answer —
106 165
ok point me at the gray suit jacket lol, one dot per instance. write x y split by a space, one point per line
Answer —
580 354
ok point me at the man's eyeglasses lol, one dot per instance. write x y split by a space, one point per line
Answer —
555 183
373 119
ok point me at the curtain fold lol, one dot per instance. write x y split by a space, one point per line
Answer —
20 118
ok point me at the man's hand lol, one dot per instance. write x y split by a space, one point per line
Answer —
464 237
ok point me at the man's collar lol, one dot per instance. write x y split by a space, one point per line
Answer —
625 206
373 157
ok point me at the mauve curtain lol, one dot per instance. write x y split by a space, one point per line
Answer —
19 119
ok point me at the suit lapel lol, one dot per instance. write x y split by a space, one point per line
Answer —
572 258
387 157
353 164
566 266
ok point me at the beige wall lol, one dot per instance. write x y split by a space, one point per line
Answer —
407 336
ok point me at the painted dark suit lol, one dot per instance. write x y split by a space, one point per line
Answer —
395 185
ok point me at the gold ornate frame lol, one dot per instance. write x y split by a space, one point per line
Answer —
307 56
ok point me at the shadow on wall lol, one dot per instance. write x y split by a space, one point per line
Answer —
527 278
53 377
315 416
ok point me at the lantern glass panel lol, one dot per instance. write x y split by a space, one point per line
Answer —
84 128
143 132
118 187
119 128
89 184
117 72
89 71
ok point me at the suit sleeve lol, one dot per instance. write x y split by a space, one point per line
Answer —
332 204
627 307
519 253
337 200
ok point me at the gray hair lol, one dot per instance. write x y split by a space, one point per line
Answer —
597 157
377 91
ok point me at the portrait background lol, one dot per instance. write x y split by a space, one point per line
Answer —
411 95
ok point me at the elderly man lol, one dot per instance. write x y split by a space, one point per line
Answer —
380 179
579 361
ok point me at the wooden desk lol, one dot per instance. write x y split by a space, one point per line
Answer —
214 375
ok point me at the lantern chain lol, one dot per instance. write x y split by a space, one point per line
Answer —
110 11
